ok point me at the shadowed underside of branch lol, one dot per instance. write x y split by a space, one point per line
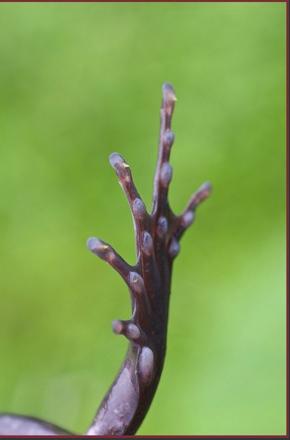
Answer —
157 237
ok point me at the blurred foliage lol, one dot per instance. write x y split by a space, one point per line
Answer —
79 81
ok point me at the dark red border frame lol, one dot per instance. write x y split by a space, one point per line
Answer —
144 1
286 436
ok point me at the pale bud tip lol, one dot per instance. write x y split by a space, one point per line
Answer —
116 160
117 327
99 248
94 244
168 93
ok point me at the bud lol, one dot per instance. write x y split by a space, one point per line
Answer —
168 138
132 331
187 219
136 282
98 247
146 365
118 327
147 243
138 208
119 164
174 248
165 174
162 227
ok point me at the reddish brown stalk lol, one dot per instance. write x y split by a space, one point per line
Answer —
157 238
157 241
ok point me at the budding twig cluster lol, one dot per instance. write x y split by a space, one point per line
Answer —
158 242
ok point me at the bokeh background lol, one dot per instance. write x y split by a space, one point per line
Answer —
80 81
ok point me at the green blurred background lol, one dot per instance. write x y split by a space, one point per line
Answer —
80 81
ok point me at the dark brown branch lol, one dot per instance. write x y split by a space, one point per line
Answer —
157 240
157 243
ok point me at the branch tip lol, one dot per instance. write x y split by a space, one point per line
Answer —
119 164
199 196
204 190
117 327
97 246
116 160
168 93
202 193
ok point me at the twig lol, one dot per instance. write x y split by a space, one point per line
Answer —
157 240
